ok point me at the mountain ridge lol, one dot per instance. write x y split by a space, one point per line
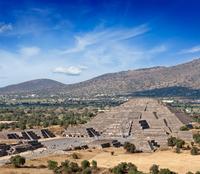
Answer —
120 83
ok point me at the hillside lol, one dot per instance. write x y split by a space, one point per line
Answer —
36 86
184 76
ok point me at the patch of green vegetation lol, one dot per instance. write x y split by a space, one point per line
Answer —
43 117
196 138
129 147
184 128
173 141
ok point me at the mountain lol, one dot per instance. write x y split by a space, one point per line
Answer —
128 82
33 86
179 77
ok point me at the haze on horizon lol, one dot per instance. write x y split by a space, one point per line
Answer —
76 40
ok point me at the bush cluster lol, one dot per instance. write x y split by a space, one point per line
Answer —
68 167
173 141
17 161
196 138
129 147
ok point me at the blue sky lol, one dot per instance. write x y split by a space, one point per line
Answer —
75 40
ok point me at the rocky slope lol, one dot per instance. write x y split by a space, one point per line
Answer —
185 75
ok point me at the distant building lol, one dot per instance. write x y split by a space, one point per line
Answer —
167 101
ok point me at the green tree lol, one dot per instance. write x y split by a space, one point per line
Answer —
123 168
180 143
134 172
75 156
85 164
87 171
17 160
194 151
52 165
129 147
154 169
74 167
94 164
65 164
196 138
166 171
171 141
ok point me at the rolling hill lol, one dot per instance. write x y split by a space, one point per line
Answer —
182 76
34 86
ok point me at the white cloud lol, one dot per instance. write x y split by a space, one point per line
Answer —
111 48
106 47
5 27
71 70
102 50
110 35
194 49
29 51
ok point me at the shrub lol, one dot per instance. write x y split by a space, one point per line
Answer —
180 143
112 153
192 143
184 128
119 169
194 151
166 171
132 166
87 171
75 156
125 168
134 172
94 164
198 172
65 163
52 165
129 147
154 169
85 164
171 141
189 173
74 167
178 150
196 138
17 160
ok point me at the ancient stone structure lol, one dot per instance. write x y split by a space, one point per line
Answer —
143 121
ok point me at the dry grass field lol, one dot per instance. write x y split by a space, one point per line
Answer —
180 163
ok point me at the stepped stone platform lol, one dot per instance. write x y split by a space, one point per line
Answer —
145 122
29 134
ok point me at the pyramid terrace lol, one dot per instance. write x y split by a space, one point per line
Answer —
146 122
